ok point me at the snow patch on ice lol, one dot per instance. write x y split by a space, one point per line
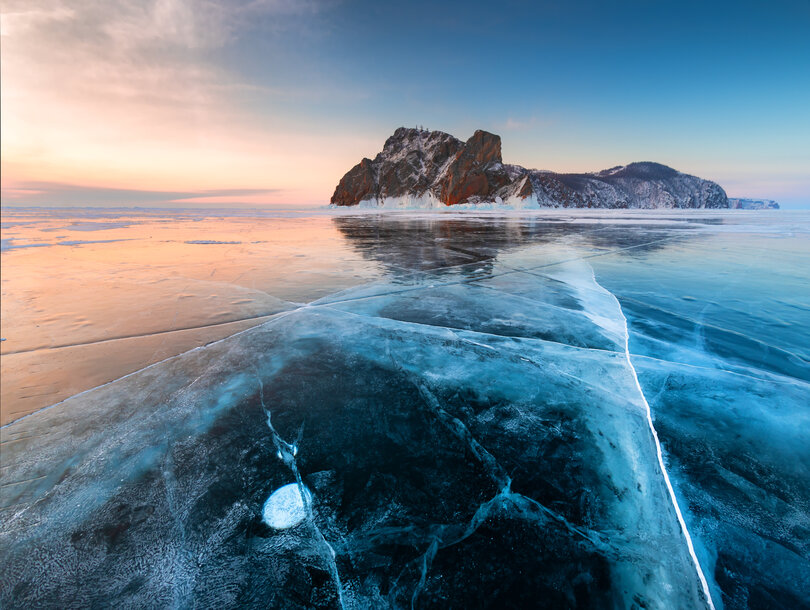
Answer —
90 226
8 244
285 507
82 242
212 242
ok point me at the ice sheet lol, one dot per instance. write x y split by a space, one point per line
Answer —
471 426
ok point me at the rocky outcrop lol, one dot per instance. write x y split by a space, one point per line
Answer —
475 171
358 184
434 166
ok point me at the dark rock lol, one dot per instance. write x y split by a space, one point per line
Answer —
356 185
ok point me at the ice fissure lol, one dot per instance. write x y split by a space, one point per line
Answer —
659 452
288 453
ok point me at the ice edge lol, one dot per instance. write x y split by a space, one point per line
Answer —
658 450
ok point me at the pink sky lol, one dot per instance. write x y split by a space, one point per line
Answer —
154 96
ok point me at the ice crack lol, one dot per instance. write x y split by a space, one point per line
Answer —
704 584
523 505
287 453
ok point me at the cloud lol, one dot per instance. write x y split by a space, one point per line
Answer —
38 193
513 124
19 22
136 93
132 24
117 51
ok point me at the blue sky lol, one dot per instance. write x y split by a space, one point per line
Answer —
289 95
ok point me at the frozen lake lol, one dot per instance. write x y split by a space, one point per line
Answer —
331 409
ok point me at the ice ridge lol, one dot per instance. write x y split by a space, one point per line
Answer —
703 582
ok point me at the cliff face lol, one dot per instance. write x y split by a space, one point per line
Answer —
431 164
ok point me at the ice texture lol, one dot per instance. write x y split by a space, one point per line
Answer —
519 412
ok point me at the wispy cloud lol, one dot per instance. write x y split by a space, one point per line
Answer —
127 92
516 124
124 50
38 193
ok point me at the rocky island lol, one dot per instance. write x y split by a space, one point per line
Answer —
752 204
420 168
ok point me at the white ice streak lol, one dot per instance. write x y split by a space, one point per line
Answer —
285 507
704 584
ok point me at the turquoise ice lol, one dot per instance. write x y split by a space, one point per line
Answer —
586 411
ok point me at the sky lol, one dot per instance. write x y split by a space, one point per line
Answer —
269 102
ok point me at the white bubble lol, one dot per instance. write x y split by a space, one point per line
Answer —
285 507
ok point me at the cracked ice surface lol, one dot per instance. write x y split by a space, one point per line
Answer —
468 429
